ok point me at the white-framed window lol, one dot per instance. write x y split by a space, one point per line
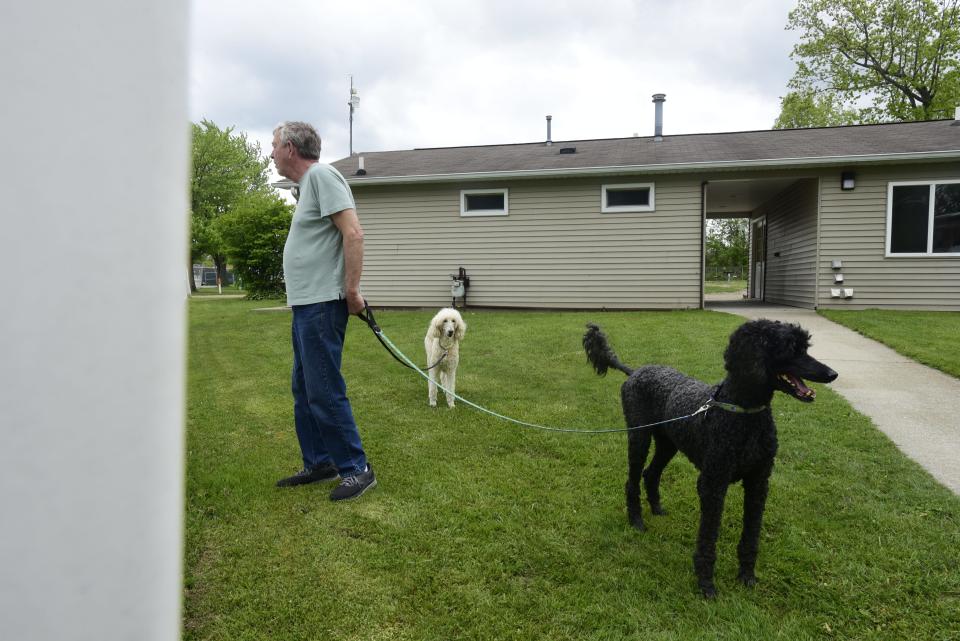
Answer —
484 202
630 197
923 218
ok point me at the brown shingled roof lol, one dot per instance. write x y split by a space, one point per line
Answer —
937 139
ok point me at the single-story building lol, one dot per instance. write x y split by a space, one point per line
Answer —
840 217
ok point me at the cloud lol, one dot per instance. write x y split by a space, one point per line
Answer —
467 73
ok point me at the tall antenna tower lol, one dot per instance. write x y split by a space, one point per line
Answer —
354 103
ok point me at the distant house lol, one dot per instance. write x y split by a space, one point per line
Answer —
204 276
842 217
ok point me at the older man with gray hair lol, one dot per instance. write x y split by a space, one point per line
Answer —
322 263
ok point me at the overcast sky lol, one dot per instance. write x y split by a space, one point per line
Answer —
447 73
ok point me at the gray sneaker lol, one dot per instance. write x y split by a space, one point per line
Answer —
352 487
325 472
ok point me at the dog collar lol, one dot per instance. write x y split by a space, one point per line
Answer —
730 407
736 409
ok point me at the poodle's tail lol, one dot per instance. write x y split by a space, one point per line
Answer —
599 353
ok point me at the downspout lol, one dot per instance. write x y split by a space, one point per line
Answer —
703 237
816 280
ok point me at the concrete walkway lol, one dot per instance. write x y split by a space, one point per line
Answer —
916 406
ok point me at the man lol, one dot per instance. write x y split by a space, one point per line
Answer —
322 262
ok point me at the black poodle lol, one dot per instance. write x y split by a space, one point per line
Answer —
733 439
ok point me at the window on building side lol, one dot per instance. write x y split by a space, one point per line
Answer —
484 202
633 197
923 219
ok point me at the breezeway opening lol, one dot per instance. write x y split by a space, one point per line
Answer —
777 219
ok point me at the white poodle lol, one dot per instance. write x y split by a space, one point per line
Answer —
443 340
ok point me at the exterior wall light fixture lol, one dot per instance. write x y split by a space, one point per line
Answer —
847 180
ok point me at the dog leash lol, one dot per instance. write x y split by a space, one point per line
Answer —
372 323
406 362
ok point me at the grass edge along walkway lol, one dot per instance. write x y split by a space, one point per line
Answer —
930 338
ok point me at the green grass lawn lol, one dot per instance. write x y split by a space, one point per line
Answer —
932 338
483 530
722 286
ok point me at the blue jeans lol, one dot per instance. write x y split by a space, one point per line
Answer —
321 410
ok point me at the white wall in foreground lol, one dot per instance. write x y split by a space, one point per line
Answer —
93 229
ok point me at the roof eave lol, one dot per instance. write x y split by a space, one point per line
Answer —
726 165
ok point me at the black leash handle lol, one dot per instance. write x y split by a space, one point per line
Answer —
372 322
369 319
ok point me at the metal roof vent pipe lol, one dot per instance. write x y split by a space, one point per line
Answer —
658 100
549 139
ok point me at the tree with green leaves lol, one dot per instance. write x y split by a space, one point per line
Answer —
254 234
727 245
227 171
869 61
808 109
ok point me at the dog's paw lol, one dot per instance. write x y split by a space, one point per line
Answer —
708 590
433 403
658 510
748 579
637 523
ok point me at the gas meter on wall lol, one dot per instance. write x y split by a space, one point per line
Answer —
459 285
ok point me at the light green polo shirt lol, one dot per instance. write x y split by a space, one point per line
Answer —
313 267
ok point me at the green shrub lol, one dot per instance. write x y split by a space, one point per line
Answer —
254 234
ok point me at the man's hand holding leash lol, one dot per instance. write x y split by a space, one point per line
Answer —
355 302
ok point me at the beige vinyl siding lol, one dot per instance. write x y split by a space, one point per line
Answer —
555 249
791 233
853 229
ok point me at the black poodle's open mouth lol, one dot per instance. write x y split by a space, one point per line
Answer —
795 387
